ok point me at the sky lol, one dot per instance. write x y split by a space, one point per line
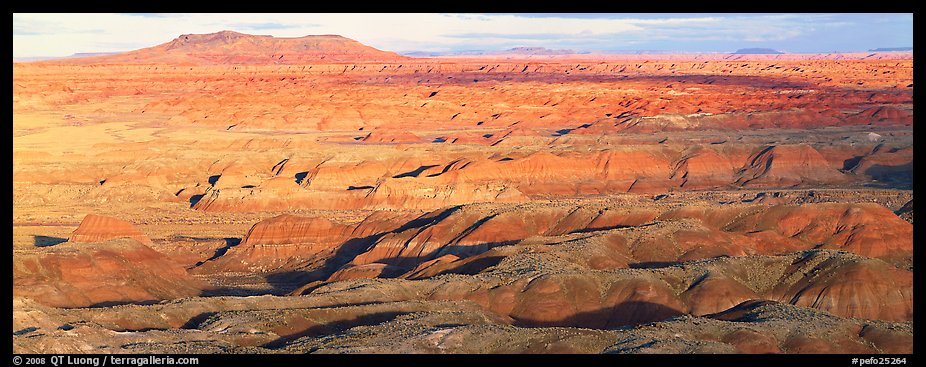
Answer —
55 35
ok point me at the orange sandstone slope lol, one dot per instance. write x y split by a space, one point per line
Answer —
618 237
227 47
109 272
96 228
106 261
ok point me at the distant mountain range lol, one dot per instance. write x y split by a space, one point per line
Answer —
519 51
891 49
757 51
541 51
228 47
74 56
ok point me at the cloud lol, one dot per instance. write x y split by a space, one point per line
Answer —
149 15
266 26
528 36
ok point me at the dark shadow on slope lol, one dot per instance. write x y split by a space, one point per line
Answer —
621 315
195 199
25 331
747 311
45 241
900 176
562 132
470 229
352 188
195 321
219 252
653 264
759 197
287 281
471 260
595 229
474 266
124 303
850 163
414 173
233 292
300 177
425 220
335 327
448 167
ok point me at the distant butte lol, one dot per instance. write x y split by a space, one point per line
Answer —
227 47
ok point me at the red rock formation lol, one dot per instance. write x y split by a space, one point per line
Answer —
752 342
682 234
800 344
365 271
551 300
435 235
96 228
109 272
414 183
283 242
703 169
887 340
621 217
578 300
883 115
291 229
868 289
865 229
432 268
640 300
886 164
585 173
787 165
715 293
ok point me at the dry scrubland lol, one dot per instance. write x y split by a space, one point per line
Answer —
231 193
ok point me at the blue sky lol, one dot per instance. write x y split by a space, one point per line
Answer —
39 35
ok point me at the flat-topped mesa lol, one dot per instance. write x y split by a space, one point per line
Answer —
98 228
227 47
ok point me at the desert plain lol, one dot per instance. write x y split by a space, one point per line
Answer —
230 193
